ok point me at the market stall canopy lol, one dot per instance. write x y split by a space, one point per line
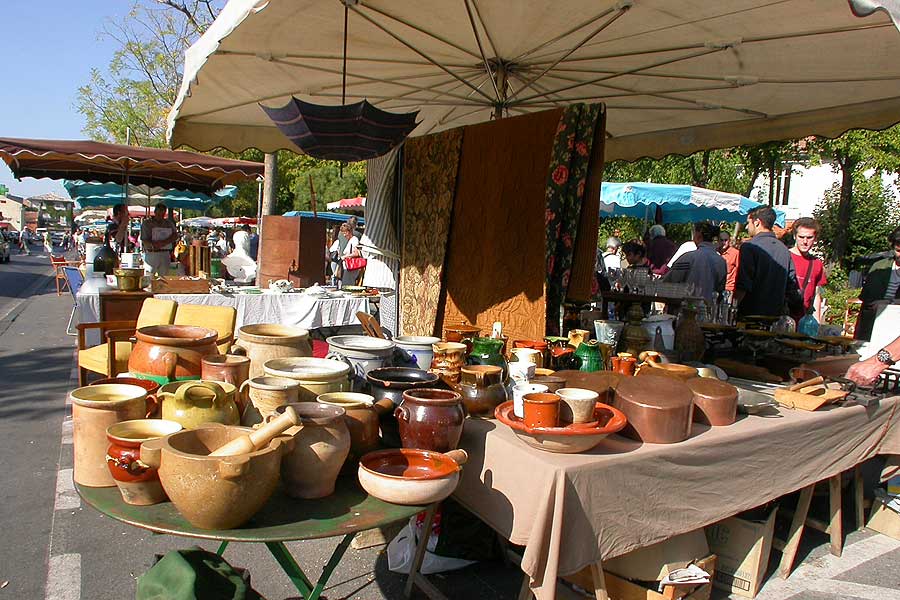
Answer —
88 194
358 202
328 216
679 203
201 222
116 163
233 221
677 76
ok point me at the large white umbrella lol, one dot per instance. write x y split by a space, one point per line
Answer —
676 75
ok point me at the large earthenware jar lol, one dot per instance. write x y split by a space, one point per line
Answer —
264 341
419 347
198 402
321 445
165 353
315 376
138 483
361 415
431 419
482 389
94 409
229 368
215 492
449 358
487 351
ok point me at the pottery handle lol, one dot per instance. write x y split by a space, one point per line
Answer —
259 438
458 456
233 467
245 398
150 452
383 406
808 383
215 388
152 405
170 360
402 413
237 349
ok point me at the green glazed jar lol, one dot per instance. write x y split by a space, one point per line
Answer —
487 351
589 353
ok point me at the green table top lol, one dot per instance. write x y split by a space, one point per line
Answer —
282 519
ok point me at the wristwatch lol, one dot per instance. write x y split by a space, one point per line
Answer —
884 357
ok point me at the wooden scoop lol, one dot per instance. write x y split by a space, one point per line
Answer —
259 438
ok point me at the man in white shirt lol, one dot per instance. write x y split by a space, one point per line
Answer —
158 235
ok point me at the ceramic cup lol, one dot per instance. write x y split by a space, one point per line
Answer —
519 391
541 410
521 372
577 405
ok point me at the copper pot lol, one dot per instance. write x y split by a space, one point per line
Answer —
430 419
659 409
715 402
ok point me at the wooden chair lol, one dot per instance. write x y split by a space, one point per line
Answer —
74 280
58 262
110 357
370 325
221 319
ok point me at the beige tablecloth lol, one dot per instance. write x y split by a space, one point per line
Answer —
572 510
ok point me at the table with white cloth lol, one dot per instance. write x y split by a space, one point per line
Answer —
573 510
300 310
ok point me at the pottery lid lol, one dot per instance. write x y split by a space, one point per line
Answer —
359 342
705 387
306 368
653 392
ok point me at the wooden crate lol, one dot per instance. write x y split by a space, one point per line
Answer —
198 258
179 285
618 588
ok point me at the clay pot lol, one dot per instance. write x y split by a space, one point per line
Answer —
231 392
430 419
540 345
151 386
519 392
214 492
576 405
482 390
263 396
462 333
715 402
361 416
488 351
229 368
624 365
659 409
361 352
419 347
94 409
138 483
321 445
315 376
196 402
165 353
589 353
449 358
541 410
264 341
411 477
391 382
690 343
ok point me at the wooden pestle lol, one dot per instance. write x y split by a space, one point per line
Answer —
259 438
808 383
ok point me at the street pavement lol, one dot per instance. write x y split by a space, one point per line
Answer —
57 548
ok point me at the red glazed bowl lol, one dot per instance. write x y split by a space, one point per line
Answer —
565 440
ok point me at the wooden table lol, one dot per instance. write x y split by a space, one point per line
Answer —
283 519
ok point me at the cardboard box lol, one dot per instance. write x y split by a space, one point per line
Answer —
884 520
742 548
618 588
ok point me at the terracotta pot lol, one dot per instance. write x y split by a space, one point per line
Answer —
462 333
229 368
196 402
264 341
94 409
419 347
321 445
541 410
576 405
449 358
151 386
361 416
263 395
138 483
624 365
391 382
315 376
412 477
519 392
659 409
715 402
215 492
165 353
482 390
430 419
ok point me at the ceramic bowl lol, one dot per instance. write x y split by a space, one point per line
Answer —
577 405
564 440
408 476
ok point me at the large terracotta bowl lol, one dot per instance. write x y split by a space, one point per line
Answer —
165 353
565 440
409 476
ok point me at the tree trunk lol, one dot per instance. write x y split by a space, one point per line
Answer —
269 184
772 177
848 165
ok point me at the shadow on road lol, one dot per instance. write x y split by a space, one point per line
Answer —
33 381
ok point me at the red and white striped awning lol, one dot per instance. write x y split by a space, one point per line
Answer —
359 201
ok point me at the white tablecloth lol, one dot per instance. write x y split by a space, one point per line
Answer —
298 310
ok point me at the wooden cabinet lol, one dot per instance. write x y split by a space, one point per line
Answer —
292 248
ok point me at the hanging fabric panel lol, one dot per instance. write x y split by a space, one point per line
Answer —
381 231
430 166
565 190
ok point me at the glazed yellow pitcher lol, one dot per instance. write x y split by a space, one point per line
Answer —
197 402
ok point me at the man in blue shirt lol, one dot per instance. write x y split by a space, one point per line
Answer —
766 278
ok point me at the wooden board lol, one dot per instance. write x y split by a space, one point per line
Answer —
179 285
808 401
292 248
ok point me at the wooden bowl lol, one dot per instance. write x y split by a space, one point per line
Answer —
571 439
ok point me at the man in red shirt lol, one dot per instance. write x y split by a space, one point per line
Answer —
810 270
731 256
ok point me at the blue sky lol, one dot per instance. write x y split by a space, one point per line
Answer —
50 47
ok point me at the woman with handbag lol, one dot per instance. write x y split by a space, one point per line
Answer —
351 258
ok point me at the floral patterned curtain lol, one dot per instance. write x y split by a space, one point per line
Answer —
566 181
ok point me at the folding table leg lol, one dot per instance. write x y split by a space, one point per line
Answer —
599 581
291 568
222 547
859 507
836 527
331 565
793 540
416 578
525 590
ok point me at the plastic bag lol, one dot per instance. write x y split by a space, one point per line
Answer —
402 550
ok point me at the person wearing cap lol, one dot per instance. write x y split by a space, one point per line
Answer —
611 259
659 249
